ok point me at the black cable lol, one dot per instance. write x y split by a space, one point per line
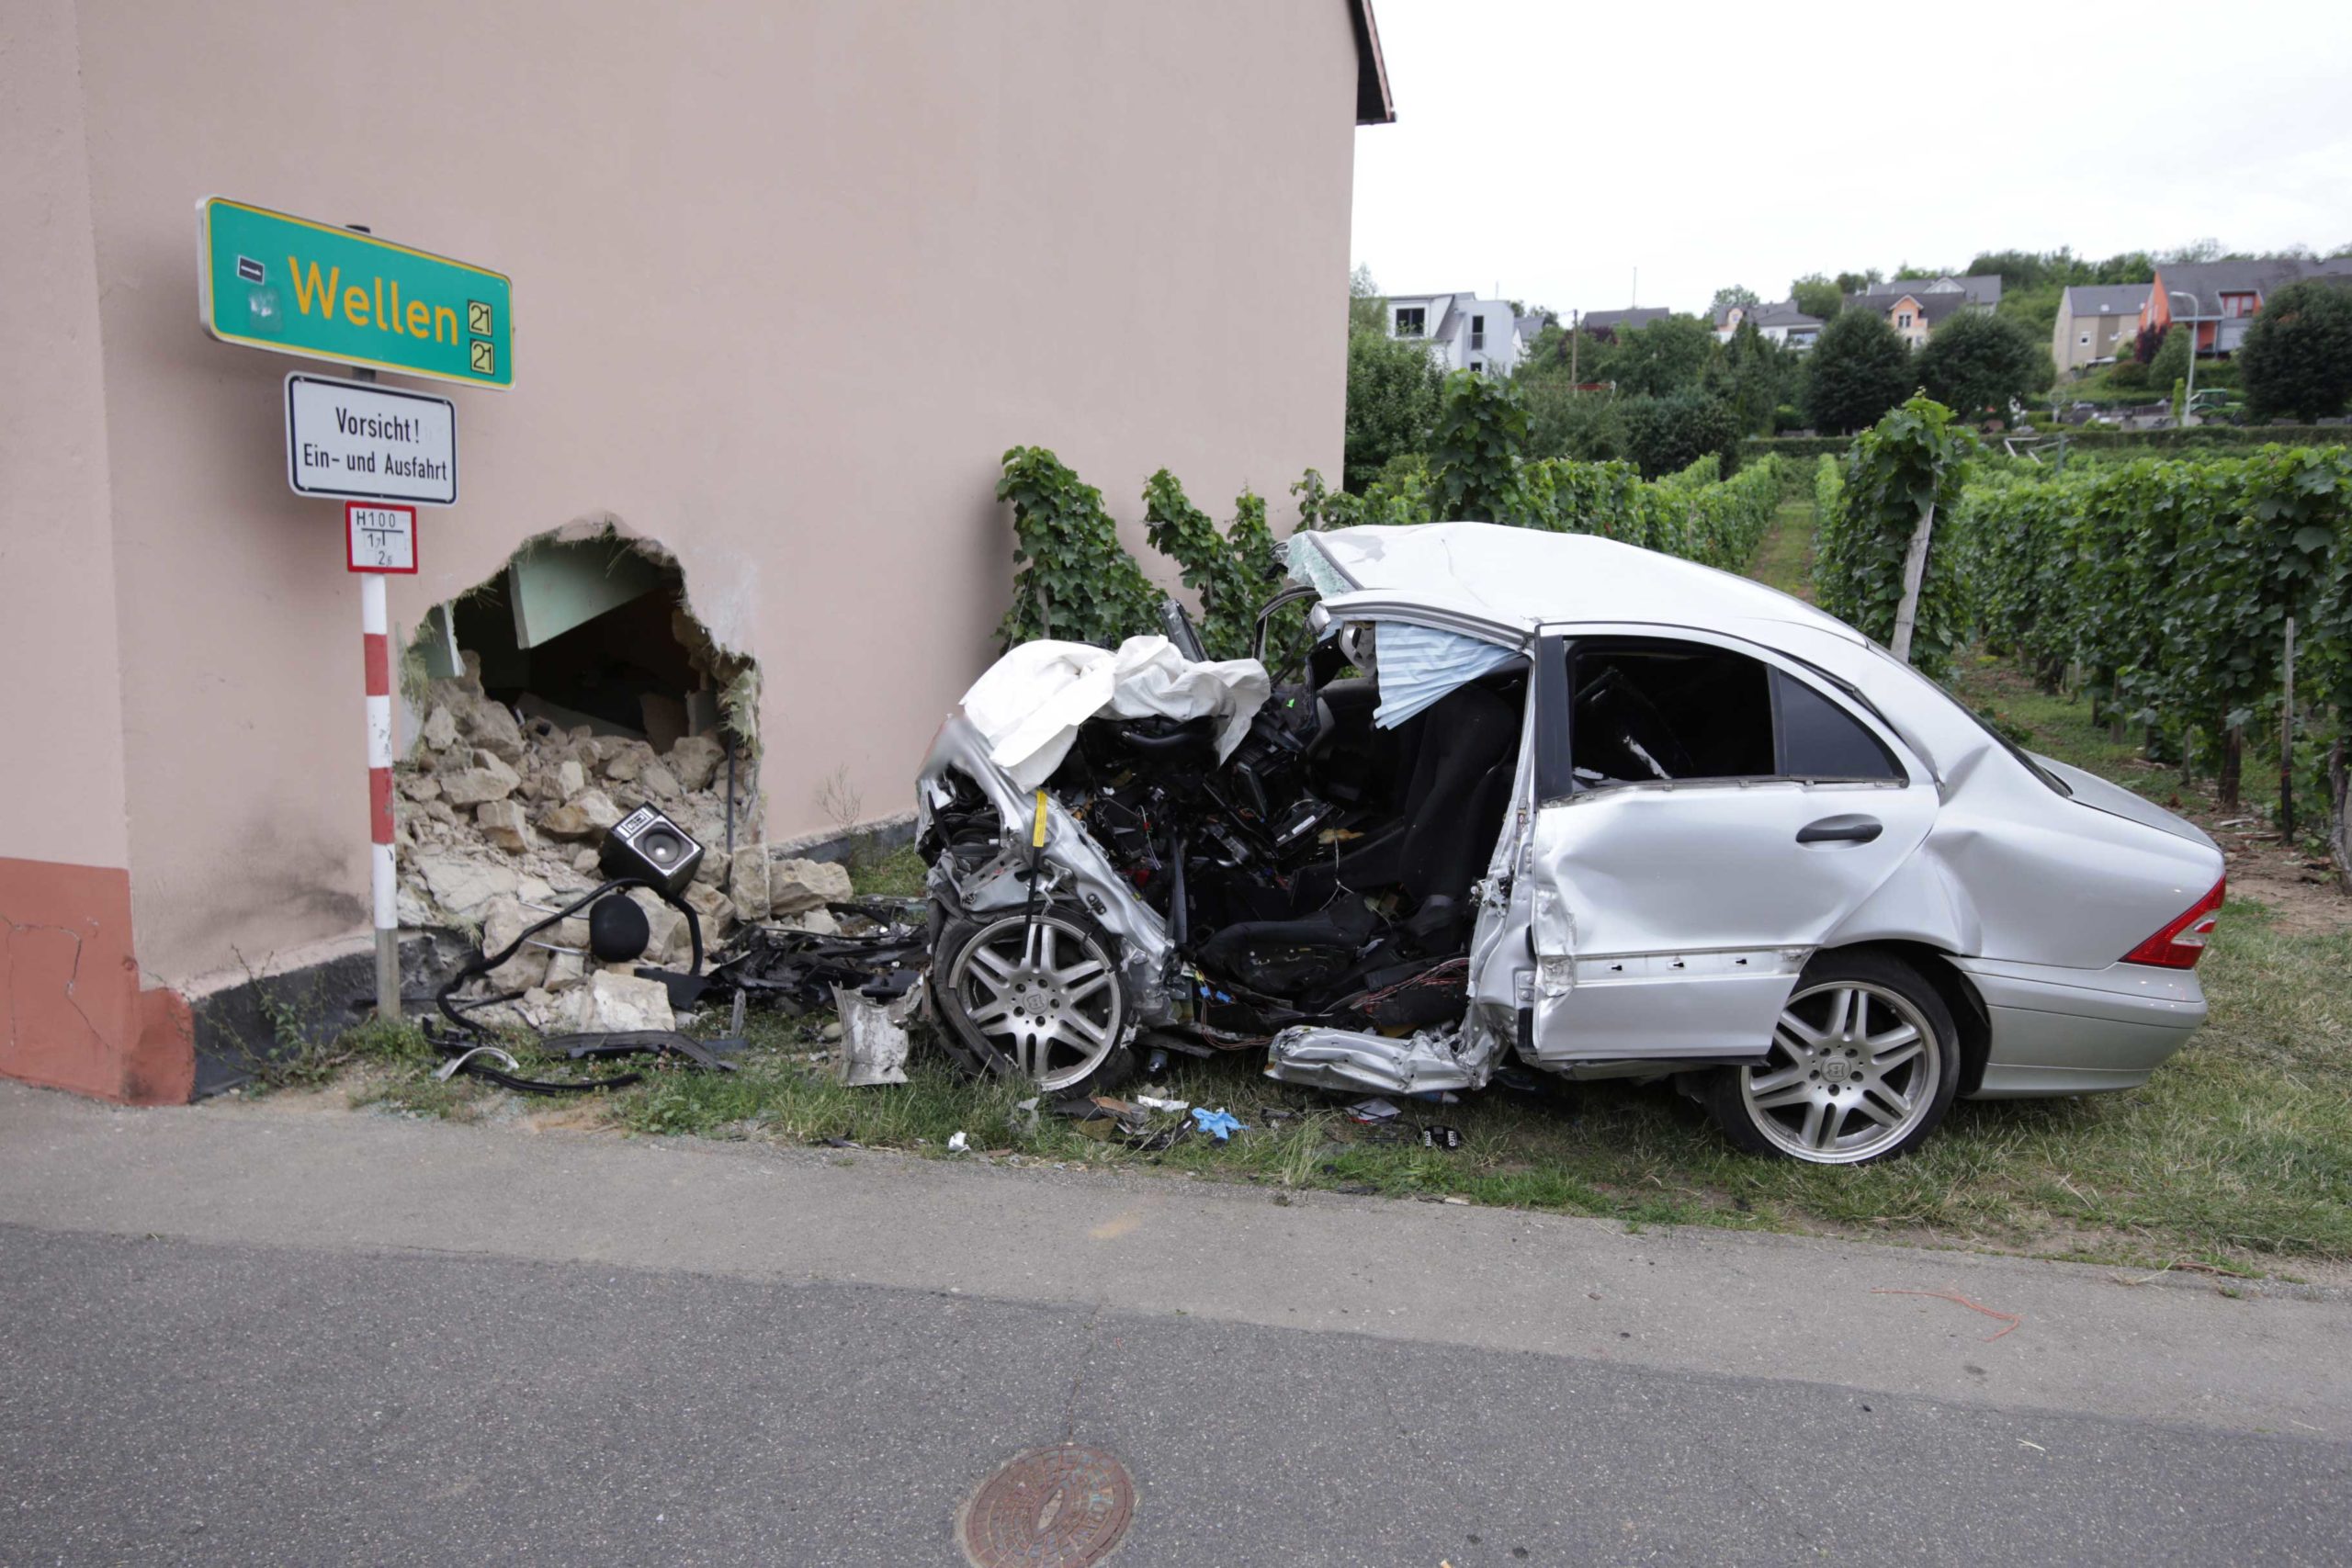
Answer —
484 963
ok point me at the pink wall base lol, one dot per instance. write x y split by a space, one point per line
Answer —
72 1013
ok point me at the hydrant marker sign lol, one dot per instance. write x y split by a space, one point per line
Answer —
361 442
292 286
379 538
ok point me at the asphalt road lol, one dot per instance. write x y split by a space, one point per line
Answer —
332 1399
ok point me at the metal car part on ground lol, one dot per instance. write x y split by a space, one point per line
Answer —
1552 802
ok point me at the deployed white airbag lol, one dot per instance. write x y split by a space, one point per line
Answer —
1031 702
1420 664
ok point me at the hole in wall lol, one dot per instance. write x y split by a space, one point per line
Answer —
598 633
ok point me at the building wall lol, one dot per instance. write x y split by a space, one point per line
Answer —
1916 332
705 218
2111 332
72 1012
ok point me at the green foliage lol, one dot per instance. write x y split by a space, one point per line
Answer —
1977 362
1233 572
2128 373
1860 369
1481 430
1859 282
1565 422
2296 357
1692 513
1754 376
1391 401
1817 296
1664 435
1402 493
1367 312
1317 499
1251 539
2170 583
1727 297
1661 356
2086 440
2170 361
2037 269
1914 458
1076 581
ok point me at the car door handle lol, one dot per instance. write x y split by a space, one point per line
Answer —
1840 831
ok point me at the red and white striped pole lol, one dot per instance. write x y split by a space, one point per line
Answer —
375 636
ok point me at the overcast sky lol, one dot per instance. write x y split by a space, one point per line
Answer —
1548 149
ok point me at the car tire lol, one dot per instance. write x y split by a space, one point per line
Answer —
1038 997
1864 1065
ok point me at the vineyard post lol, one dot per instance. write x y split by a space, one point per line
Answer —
2287 740
1915 568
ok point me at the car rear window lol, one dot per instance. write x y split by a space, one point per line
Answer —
1821 740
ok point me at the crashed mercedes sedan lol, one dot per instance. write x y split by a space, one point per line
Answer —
1558 802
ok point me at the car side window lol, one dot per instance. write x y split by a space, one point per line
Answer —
1818 739
1649 712
1658 711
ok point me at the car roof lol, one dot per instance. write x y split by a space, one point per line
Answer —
1519 578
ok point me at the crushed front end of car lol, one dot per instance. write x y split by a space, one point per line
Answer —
1128 843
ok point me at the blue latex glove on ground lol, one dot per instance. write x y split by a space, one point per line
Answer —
1216 1121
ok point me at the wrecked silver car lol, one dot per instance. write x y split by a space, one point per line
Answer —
1551 800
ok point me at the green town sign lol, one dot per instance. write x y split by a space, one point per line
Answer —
292 286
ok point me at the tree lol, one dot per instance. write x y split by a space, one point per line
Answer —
1859 371
1754 376
2169 363
1665 435
2296 357
1977 360
1662 356
1565 422
1392 402
1817 296
1860 282
1481 430
1733 294
1367 312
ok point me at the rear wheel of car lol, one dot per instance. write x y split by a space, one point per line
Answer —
1038 996
1863 1065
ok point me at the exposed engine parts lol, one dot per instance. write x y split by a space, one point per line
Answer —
1316 874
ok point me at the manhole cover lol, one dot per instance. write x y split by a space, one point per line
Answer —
1058 1507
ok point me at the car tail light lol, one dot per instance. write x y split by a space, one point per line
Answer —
2182 942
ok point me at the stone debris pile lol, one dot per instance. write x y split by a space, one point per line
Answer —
499 823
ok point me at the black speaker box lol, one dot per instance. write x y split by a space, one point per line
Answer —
649 845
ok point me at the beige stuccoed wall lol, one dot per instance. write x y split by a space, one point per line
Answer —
60 717
788 280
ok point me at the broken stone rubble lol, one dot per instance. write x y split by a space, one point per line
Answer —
500 824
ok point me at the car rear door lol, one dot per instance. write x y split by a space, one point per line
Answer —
1707 814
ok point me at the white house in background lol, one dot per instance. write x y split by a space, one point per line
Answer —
1781 321
1464 332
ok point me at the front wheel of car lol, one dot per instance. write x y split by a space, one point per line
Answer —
1862 1067
1038 995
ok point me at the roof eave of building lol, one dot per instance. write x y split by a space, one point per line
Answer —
1374 104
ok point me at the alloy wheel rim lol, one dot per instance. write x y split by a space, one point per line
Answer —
1852 1071
1043 994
